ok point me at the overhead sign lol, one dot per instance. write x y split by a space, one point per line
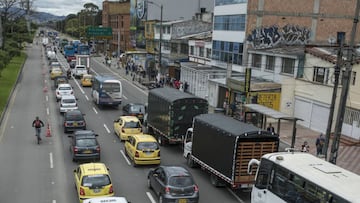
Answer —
99 32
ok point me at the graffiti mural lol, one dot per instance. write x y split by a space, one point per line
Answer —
267 37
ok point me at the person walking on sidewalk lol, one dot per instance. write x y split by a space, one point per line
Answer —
305 147
319 144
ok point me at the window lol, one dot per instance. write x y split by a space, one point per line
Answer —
174 47
270 63
230 22
201 51
191 50
226 2
321 75
184 49
227 52
353 78
256 60
288 65
208 53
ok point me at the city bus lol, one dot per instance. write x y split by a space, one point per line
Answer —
301 177
106 90
83 49
69 52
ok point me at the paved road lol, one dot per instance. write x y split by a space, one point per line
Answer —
43 173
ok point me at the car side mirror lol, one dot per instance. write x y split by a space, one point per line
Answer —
74 170
96 135
117 120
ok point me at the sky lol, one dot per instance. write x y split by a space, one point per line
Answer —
63 7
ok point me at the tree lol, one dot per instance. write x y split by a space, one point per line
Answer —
91 9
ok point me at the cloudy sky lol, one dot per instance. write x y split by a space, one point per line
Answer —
63 7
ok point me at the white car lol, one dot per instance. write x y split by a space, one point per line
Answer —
79 70
68 103
63 89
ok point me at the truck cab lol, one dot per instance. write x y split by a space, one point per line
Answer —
188 143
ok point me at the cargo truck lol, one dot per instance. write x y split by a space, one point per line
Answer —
223 147
170 113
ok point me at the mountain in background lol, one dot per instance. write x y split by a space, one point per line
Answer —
37 17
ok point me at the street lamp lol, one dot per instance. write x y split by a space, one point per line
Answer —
161 31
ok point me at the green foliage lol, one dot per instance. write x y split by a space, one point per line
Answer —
8 78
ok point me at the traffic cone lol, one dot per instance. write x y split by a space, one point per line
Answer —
48 132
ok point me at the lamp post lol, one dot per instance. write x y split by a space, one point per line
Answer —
161 31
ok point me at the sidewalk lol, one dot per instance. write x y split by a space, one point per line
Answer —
348 155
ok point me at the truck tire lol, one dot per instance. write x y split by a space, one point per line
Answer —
161 140
216 181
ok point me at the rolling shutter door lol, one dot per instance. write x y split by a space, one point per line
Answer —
319 118
303 110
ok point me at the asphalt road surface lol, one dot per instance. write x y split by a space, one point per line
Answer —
44 173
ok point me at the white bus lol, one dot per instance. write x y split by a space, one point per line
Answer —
106 91
299 177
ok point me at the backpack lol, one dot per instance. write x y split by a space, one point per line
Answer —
37 123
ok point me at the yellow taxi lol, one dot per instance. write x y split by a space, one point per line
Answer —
55 72
93 180
86 80
142 149
125 126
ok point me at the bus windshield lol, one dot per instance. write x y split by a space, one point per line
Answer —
111 87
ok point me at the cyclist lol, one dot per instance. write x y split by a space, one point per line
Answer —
37 124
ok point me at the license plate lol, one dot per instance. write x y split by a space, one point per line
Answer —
75 124
96 190
182 201
87 151
140 116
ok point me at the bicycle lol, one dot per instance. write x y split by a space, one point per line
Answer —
38 133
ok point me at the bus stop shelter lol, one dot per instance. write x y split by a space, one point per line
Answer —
266 112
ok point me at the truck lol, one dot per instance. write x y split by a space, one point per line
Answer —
223 146
45 41
169 114
83 60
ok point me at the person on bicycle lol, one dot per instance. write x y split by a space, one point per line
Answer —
37 124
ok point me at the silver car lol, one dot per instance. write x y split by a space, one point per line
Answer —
63 89
68 103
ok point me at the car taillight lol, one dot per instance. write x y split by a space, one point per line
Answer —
82 191
61 105
137 154
141 130
71 92
111 190
76 150
123 130
196 188
159 154
98 149
167 190
57 93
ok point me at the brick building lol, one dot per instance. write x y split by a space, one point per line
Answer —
116 14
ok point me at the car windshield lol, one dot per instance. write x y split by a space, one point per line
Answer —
87 142
147 145
181 181
74 117
137 109
94 181
68 101
132 124
64 88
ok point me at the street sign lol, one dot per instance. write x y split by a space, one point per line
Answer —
99 32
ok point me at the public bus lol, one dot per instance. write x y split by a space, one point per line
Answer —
69 52
106 90
75 44
83 49
300 177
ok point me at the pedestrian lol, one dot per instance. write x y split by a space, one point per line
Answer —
319 144
305 147
186 86
233 108
270 128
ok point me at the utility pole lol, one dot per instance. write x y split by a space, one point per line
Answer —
340 40
345 88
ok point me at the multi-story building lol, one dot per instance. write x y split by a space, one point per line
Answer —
116 14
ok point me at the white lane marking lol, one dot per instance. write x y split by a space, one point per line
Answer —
150 197
106 128
94 71
125 97
126 159
47 111
54 201
51 160
95 110
77 83
47 98
87 98
236 197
